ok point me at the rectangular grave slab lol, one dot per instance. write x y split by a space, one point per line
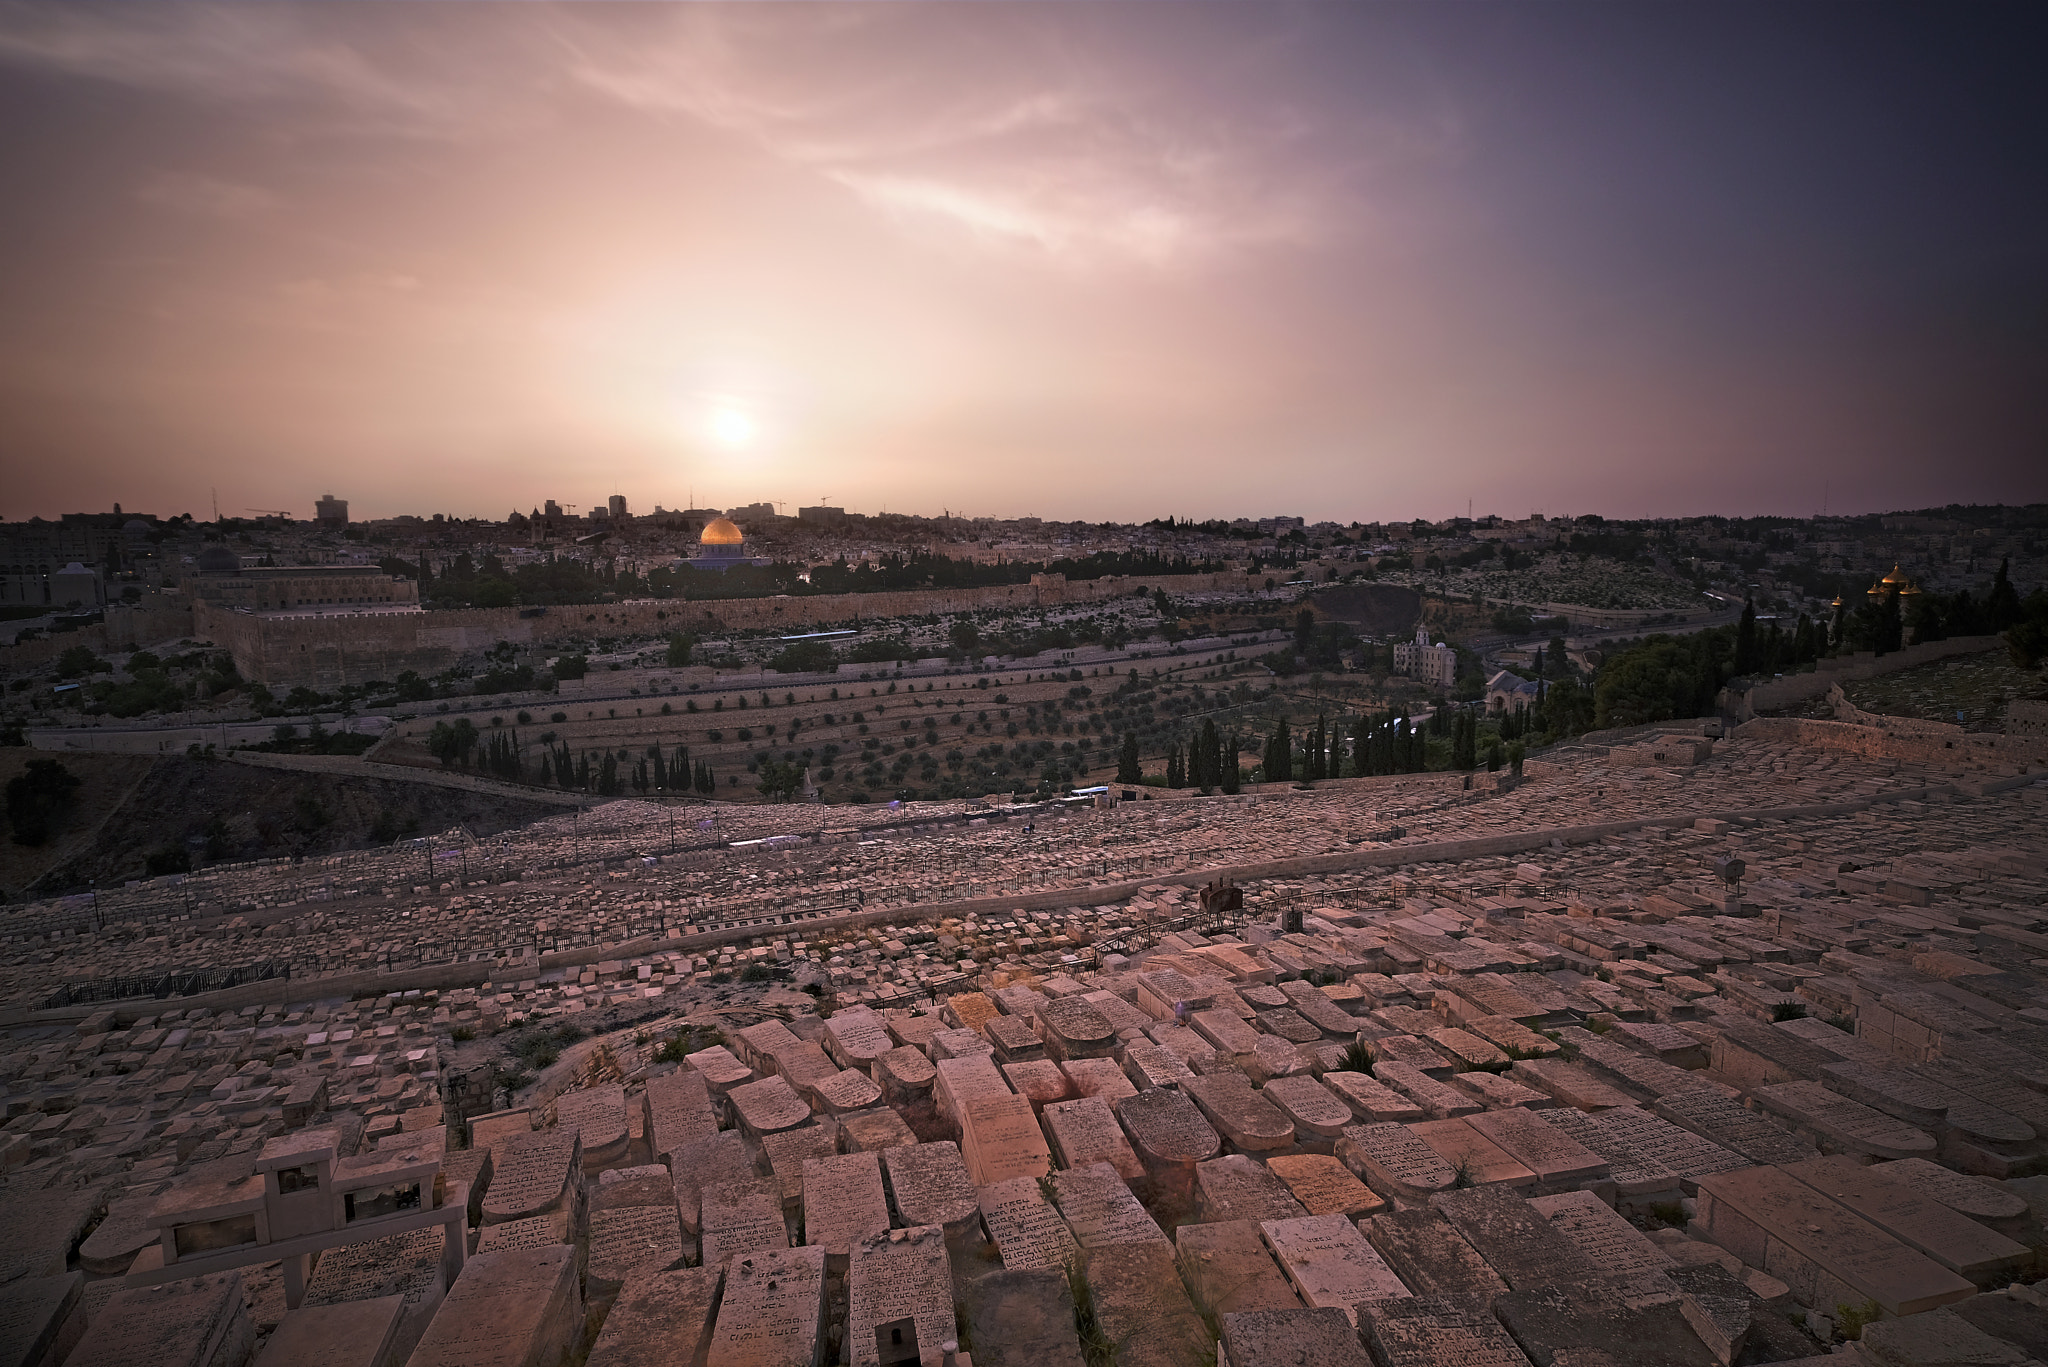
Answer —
873 1130
38 1229
598 1114
961 1080
534 1174
929 1185
1439 1099
353 1334
1914 1218
659 1319
1324 1186
1394 1161
720 1157
1714 1116
856 1036
647 1185
1432 1258
1570 1083
1648 1141
1561 1326
1989 1202
1000 1138
740 1218
1085 1131
1371 1100
1227 1268
1023 1318
1602 1234
1825 1252
1238 1187
507 1309
196 1322
897 1275
787 1153
1516 1240
1465 1149
1148 1065
769 1106
1141 1307
1311 1107
1310 1337
1846 1125
628 1240
1073 1028
720 1068
843 1201
773 1311
1240 1114
1330 1263
36 1315
1097 1077
1100 1209
1432 1331
1027 1230
1555 1157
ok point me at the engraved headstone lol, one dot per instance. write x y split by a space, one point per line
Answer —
352 1334
1085 1131
195 1322
1000 1138
1394 1161
1432 1331
1228 1267
1324 1186
678 1111
898 1275
1239 1187
773 1311
506 1310
742 1217
843 1201
1330 1262
659 1319
929 1185
1100 1209
1027 1231
1432 1257
628 1240
535 1173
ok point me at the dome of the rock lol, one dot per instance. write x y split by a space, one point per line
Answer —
720 531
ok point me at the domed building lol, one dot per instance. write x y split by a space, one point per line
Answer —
722 546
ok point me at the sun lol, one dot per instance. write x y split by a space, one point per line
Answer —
730 427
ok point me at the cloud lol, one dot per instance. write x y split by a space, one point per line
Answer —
204 196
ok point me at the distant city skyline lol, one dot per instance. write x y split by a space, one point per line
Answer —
1087 262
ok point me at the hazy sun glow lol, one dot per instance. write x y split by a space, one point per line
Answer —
732 428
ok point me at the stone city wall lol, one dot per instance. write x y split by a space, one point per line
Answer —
326 652
124 628
1797 688
1962 750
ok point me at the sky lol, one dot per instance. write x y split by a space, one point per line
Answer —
1109 261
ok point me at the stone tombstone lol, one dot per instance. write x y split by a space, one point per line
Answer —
678 1111
1240 1113
1651 1139
1074 1029
1563 1326
1394 1161
196 1322
1993 1204
1228 1267
874 1130
720 1157
407 1265
843 1201
659 1319
1027 1231
773 1312
1141 1306
535 1231
352 1334
720 1067
901 1274
1369 1099
1825 1252
787 1153
1100 1209
506 1310
1916 1219
1312 1337
1330 1262
1483 1162
1555 1157
1000 1138
1085 1131
929 1185
38 1229
1023 1317
598 1114
1715 1116
36 1315
1432 1257
647 1185
1324 1186
1147 1065
1097 1077
1846 1126
124 1231
768 1106
534 1173
1941 1336
1602 1234
1311 1106
1516 1240
1433 1331
742 1217
1633 1175
856 1036
628 1240
1239 1187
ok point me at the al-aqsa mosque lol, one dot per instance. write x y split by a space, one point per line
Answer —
721 547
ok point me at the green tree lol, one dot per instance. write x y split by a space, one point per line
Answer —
1231 778
2001 609
37 799
1279 765
1128 769
1745 640
1176 771
1208 756
679 646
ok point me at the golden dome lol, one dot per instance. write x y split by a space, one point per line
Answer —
1838 601
1897 576
720 531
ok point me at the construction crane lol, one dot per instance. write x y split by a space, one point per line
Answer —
270 512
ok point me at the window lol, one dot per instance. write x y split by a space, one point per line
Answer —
375 1202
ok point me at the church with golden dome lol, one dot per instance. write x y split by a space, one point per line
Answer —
722 546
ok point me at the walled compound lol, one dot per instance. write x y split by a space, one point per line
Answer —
1729 1057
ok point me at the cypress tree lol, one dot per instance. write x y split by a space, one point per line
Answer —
1745 640
1128 769
1229 776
